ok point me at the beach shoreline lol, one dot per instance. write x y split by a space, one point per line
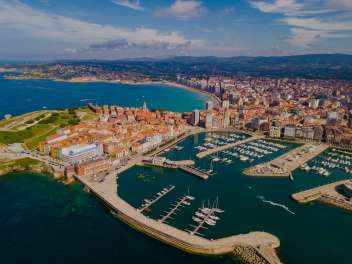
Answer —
206 94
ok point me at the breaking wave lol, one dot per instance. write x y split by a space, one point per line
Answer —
262 198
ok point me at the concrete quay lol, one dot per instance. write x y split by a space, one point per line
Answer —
106 191
326 194
284 165
208 152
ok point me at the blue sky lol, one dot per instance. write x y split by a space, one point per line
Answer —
112 29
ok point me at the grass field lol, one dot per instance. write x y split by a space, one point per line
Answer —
31 136
23 163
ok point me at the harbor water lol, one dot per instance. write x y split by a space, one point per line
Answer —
42 221
312 233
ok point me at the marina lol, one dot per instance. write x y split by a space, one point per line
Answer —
330 161
284 165
181 202
261 244
196 172
147 203
206 152
247 152
334 194
205 215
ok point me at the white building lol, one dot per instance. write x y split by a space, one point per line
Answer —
209 105
195 117
81 153
290 131
209 120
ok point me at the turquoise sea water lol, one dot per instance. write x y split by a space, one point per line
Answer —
19 97
309 234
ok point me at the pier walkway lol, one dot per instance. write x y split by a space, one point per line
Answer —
284 165
316 193
184 165
148 204
200 224
174 209
195 171
106 191
208 152
327 194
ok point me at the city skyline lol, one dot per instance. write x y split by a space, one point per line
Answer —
115 29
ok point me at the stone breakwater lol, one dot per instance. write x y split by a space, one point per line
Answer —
106 191
284 165
326 194
251 255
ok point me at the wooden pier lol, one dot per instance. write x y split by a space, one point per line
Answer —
173 210
200 224
195 171
169 189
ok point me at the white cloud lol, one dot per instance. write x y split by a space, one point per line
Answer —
33 23
135 5
339 4
183 9
278 6
317 24
312 21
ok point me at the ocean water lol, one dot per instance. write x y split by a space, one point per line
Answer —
42 221
18 97
312 233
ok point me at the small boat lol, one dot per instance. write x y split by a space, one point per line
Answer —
198 214
214 217
189 197
186 203
210 222
205 210
196 219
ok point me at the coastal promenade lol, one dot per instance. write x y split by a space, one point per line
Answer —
208 152
284 165
255 247
326 194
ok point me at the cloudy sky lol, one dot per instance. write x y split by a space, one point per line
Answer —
111 29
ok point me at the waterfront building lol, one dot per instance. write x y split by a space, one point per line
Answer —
299 132
226 119
195 117
275 132
209 120
290 131
318 133
209 105
81 153
350 118
93 167
225 104
332 117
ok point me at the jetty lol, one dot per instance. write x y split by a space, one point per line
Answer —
284 165
181 202
184 165
253 247
208 152
195 171
327 194
160 195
